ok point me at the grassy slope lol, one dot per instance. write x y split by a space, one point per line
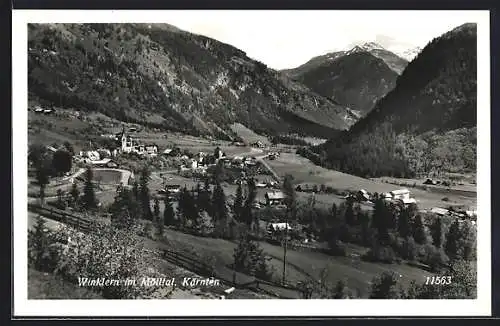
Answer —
304 171
47 286
357 274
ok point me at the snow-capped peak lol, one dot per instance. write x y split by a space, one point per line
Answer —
369 46
355 49
410 54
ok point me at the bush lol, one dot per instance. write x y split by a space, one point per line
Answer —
337 249
381 254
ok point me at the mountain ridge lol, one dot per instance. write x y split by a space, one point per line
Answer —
157 72
426 124
356 78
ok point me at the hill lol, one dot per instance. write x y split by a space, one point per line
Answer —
426 124
161 76
357 78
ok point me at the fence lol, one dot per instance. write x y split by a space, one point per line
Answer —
187 261
75 220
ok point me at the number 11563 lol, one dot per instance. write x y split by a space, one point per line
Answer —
438 280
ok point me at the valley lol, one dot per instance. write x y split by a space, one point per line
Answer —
358 164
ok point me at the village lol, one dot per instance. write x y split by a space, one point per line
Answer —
250 162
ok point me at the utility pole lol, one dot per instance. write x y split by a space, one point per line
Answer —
285 245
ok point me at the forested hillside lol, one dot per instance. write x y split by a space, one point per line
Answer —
427 124
159 75
357 78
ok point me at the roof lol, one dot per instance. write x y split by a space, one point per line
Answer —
408 201
103 161
400 192
280 226
275 195
439 211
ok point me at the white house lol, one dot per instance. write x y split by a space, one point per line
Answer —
274 198
278 226
403 194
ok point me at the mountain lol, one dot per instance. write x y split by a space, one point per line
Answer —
159 75
356 78
426 124
410 54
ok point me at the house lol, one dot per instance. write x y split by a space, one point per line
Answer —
193 164
167 151
403 194
275 227
38 109
152 150
48 111
274 198
440 211
258 144
387 196
52 149
363 195
219 154
104 163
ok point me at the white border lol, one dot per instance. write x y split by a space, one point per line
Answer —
23 307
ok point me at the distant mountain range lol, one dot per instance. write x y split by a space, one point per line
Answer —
410 54
426 124
159 75
356 78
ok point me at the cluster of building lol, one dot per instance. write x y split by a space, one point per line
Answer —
399 196
38 109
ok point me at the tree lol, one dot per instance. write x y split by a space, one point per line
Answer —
61 199
238 203
168 213
124 208
453 238
89 200
135 189
62 161
247 216
384 287
42 177
67 145
418 230
350 218
220 214
144 197
340 291
220 173
250 259
380 221
37 153
404 223
290 197
157 219
436 230
38 242
468 241
75 193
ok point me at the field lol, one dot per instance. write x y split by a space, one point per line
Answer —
248 135
357 274
304 171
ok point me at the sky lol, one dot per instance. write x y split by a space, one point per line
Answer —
286 39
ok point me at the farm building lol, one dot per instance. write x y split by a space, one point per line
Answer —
274 227
274 198
107 162
403 194
363 195
440 211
